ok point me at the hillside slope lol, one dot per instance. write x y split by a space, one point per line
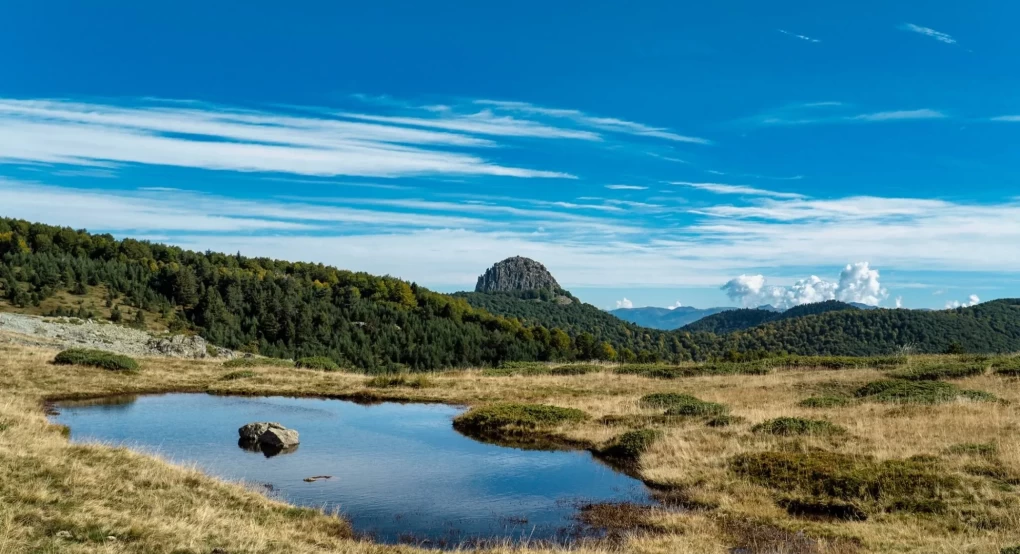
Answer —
735 320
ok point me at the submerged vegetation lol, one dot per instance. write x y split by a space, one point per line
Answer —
96 358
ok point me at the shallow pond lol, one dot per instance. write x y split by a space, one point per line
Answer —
400 472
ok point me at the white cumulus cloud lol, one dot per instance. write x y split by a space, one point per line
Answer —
858 282
675 306
972 300
624 303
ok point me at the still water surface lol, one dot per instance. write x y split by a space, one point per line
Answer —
400 472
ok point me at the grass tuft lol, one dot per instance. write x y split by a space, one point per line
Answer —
235 375
946 370
905 485
973 449
677 404
258 362
917 392
632 444
510 417
96 358
724 421
320 363
790 426
401 380
825 402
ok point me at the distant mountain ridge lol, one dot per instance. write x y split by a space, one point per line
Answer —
665 319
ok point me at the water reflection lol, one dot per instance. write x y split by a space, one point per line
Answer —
400 472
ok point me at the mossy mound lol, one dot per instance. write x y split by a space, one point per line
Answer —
632 444
401 380
724 421
823 508
791 426
320 363
934 372
891 485
511 417
575 369
258 362
917 392
825 402
96 358
235 375
677 404
973 449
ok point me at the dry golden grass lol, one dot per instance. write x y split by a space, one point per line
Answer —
49 485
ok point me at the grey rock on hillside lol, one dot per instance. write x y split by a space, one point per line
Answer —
516 274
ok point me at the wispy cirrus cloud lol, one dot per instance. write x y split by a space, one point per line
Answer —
219 138
795 35
928 32
605 124
484 123
722 188
822 113
625 187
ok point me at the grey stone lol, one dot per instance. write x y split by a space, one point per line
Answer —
279 438
253 431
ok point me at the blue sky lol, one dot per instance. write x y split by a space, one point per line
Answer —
652 153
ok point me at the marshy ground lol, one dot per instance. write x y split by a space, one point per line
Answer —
792 460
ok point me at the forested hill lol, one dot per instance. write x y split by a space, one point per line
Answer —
274 307
577 318
735 320
989 327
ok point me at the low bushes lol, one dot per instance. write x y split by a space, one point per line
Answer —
632 444
825 402
973 449
905 485
258 362
96 358
1007 367
824 508
575 369
957 370
660 371
789 426
321 363
677 404
510 417
235 375
724 421
401 380
840 362
917 392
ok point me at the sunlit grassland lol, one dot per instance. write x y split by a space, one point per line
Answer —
967 448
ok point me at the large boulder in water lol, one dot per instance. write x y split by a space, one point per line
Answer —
252 432
279 438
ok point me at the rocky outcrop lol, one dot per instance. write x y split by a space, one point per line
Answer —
516 274
101 335
267 437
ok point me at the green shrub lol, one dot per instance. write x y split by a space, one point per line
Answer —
823 507
235 375
973 449
724 421
1010 550
957 370
1007 367
258 362
508 369
825 402
660 371
788 426
211 351
401 380
317 362
677 404
510 417
96 358
839 362
890 484
917 392
993 472
575 369
632 444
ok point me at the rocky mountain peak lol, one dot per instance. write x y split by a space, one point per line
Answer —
516 274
